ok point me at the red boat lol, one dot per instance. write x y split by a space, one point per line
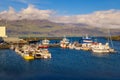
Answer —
44 44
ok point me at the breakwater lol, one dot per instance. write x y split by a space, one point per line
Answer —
7 42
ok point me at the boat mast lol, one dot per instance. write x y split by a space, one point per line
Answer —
109 38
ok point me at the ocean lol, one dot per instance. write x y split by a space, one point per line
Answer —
65 64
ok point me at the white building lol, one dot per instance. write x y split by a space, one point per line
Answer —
3 31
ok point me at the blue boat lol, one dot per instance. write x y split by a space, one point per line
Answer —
87 39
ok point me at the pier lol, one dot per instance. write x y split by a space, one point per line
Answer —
4 46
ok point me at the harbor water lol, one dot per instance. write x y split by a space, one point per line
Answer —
65 64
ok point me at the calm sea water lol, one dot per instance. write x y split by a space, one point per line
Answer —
65 64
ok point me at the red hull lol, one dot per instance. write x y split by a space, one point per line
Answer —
43 46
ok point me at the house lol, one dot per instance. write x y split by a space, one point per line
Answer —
3 31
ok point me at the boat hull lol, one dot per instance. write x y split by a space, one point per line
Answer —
28 57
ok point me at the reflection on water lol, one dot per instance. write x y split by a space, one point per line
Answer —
65 64
100 54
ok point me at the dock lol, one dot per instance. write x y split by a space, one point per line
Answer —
4 46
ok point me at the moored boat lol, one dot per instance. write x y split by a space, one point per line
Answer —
28 56
87 39
101 48
42 53
30 52
44 44
71 46
64 42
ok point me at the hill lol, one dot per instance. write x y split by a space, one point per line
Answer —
45 28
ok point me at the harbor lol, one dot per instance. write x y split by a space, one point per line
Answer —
60 64
86 43
33 49
51 58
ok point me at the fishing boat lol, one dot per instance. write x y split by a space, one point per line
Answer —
104 48
38 54
71 46
42 53
46 54
101 48
87 39
30 52
86 43
64 42
44 44
28 56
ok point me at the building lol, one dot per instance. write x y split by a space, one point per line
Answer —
3 31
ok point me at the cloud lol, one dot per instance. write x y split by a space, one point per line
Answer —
29 13
33 13
109 18
10 14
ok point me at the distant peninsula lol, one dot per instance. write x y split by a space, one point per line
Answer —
117 38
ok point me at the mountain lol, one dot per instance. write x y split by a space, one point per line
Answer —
45 28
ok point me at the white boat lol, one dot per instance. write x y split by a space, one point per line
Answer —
37 54
43 53
104 48
46 53
101 48
64 42
71 46
45 42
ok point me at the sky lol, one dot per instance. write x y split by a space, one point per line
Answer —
69 7
92 12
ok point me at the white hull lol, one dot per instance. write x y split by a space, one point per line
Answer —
63 45
78 48
45 42
100 50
